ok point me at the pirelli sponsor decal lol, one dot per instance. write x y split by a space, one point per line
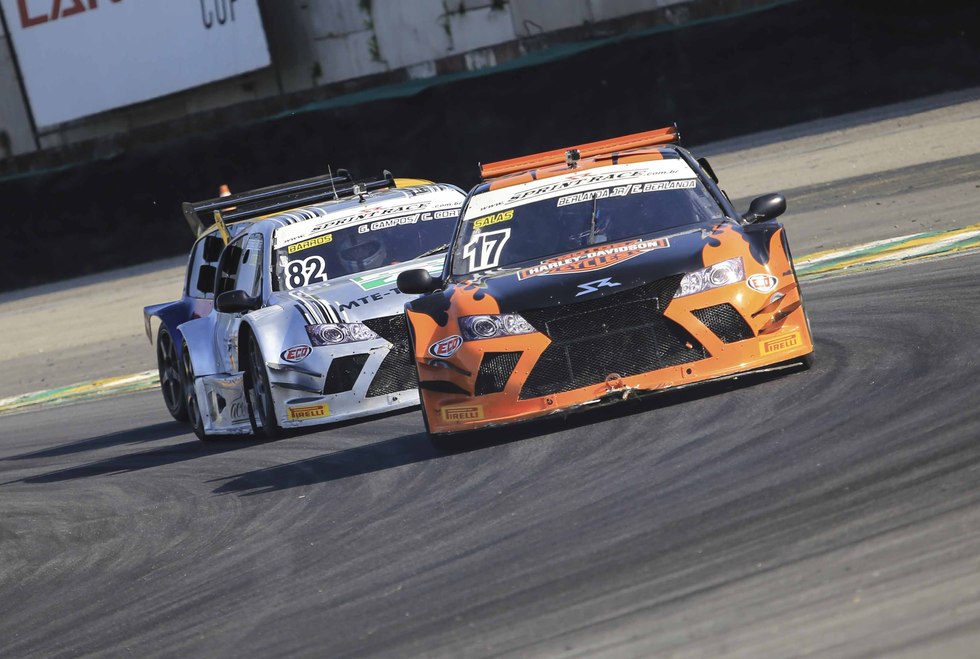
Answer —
780 343
303 412
462 413
595 258
312 242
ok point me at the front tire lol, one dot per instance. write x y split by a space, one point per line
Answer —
171 383
190 397
259 392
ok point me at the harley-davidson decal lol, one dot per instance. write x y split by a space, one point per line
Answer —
595 258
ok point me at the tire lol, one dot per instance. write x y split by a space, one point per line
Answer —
259 392
190 397
171 383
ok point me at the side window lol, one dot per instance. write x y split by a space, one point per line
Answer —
202 266
249 277
229 265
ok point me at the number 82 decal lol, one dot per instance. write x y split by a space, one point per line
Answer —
484 249
303 272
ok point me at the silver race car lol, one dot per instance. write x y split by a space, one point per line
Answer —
308 324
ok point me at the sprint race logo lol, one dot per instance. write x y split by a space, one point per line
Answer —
594 258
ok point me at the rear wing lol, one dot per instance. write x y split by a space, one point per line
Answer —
669 135
285 196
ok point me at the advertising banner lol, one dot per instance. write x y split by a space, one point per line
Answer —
81 57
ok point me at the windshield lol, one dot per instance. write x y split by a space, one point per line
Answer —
566 222
352 249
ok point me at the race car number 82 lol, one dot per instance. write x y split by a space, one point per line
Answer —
303 272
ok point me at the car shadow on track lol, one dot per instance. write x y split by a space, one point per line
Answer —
415 447
132 462
152 433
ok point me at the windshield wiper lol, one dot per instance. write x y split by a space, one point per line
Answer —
434 250
595 211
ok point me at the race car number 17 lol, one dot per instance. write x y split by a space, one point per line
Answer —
484 249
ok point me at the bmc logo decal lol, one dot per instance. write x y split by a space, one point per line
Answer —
781 344
762 283
296 354
594 258
309 412
447 347
462 413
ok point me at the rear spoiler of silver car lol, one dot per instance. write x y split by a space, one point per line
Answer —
276 198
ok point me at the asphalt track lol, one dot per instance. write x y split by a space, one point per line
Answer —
833 512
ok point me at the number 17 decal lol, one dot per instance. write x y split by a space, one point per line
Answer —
484 249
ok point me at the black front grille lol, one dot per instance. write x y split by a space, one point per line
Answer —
343 373
397 371
494 372
390 328
625 333
725 321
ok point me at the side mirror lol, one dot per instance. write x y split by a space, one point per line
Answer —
205 278
237 301
764 208
417 281
212 248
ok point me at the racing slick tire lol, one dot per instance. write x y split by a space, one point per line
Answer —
259 393
190 397
171 383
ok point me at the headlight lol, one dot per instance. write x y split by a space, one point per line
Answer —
474 328
331 334
714 276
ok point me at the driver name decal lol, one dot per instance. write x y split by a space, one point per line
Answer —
593 259
624 190
312 242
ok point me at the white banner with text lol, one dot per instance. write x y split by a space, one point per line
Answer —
81 57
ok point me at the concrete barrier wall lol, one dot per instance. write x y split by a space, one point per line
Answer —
796 62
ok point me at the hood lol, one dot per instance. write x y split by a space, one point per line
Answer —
614 267
369 294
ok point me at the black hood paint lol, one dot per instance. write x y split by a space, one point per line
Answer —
684 254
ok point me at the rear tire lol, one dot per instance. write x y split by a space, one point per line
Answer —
190 397
259 392
171 383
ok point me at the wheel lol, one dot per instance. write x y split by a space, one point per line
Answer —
806 362
260 392
171 385
190 397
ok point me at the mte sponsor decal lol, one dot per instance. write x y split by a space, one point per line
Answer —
312 242
781 343
309 412
595 258
447 347
462 413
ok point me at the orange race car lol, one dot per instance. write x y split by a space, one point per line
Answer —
588 275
